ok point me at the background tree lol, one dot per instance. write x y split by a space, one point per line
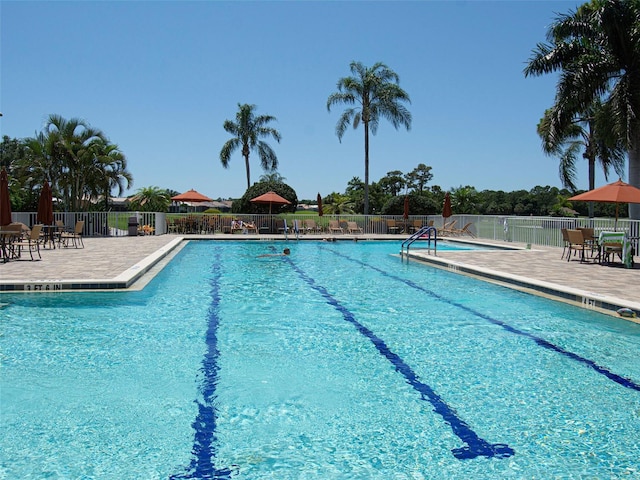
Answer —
248 130
377 94
418 178
337 204
273 177
150 199
108 170
13 153
596 48
78 160
244 205
464 199
393 183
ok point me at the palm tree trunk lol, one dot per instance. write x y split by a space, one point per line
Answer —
246 162
592 181
634 168
366 168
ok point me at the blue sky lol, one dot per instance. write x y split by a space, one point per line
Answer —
160 78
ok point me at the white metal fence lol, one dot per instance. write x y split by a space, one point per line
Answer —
528 230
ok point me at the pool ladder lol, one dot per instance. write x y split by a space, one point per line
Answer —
425 233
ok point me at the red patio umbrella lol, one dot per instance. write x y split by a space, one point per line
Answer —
319 199
191 196
616 192
271 198
45 205
405 213
446 208
5 202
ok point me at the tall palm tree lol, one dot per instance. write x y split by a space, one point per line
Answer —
597 50
370 93
588 133
248 129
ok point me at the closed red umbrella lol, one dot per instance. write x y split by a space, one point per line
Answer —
319 198
45 205
271 198
5 202
446 209
405 213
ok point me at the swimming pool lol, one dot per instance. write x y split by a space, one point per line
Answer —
338 362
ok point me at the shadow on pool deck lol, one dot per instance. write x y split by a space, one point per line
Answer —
119 262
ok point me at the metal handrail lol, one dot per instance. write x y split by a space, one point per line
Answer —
422 233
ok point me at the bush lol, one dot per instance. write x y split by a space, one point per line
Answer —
244 205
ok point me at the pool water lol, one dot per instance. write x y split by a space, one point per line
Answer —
339 361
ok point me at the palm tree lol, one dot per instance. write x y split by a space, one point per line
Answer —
109 168
248 129
597 50
151 199
376 93
274 177
588 133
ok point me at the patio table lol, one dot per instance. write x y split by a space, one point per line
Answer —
608 239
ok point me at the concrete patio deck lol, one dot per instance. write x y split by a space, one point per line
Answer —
127 262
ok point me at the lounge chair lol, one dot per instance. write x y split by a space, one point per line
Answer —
249 227
282 227
447 228
352 227
464 230
75 236
334 226
31 243
310 226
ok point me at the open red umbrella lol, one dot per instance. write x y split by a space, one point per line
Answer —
5 202
271 198
191 196
446 208
45 205
616 192
319 199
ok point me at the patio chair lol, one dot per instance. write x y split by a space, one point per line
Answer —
75 236
392 226
415 226
9 235
225 224
352 227
577 244
31 243
334 226
565 241
589 237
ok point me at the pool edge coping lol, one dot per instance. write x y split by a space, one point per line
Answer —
573 296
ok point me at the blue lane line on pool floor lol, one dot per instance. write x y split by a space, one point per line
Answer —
625 382
474 445
202 464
